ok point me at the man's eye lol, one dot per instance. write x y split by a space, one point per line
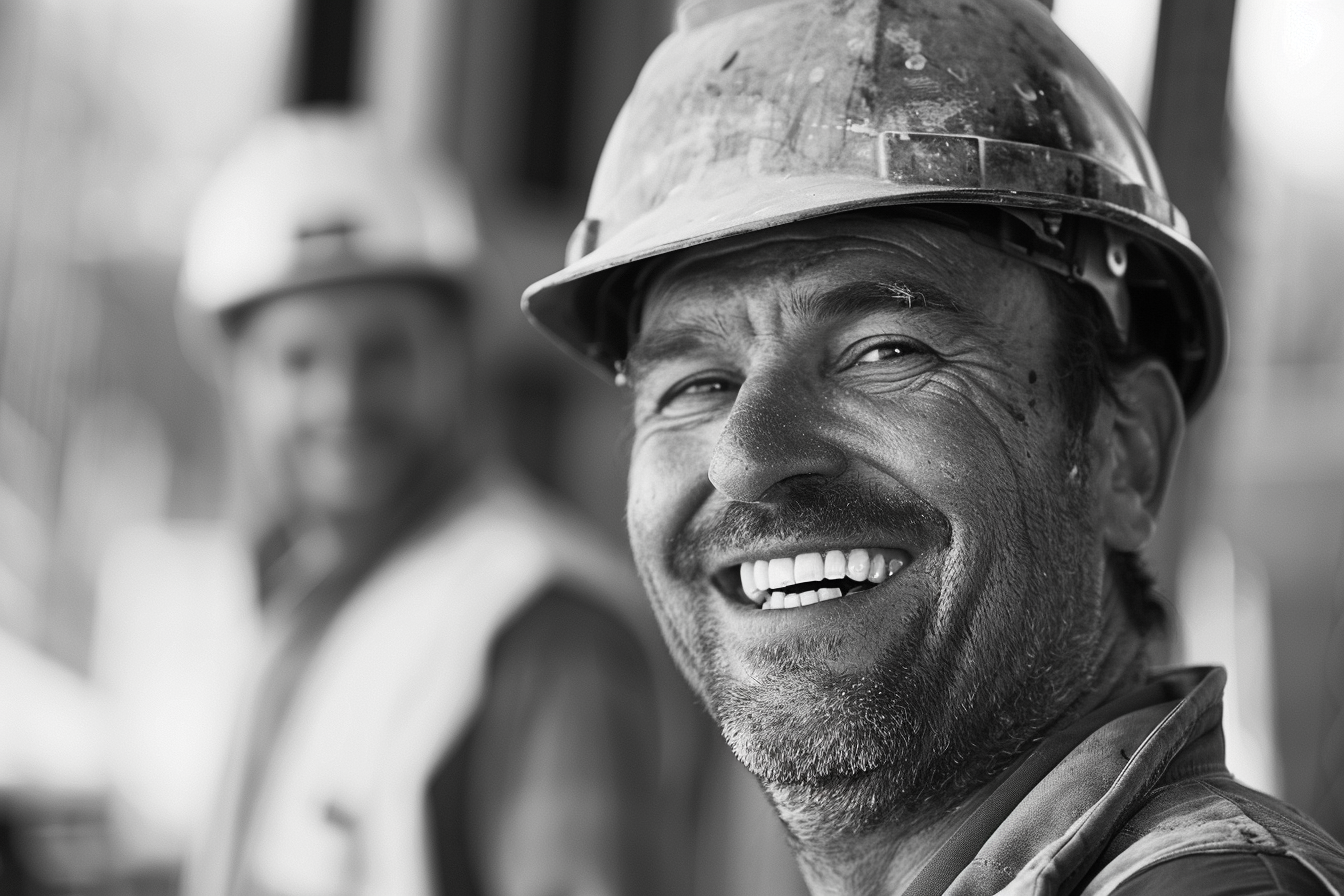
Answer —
384 354
890 350
689 392
298 361
881 353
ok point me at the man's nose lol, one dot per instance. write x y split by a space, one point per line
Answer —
775 433
335 395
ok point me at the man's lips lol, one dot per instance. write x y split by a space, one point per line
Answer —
810 577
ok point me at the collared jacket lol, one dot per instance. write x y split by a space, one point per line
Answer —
1137 787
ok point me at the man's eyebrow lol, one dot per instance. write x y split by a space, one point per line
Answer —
667 344
862 297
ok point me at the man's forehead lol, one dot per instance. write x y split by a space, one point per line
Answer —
917 261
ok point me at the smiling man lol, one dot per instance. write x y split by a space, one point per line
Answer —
913 332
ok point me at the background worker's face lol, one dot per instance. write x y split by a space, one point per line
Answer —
346 397
886 387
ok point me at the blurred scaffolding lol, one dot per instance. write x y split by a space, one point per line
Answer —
112 114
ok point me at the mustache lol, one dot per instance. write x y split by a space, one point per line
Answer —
834 511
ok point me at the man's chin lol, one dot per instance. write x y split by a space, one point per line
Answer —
844 769
829 770
350 490
845 752
785 736
826 702
346 500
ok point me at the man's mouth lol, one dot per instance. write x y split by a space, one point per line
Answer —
784 583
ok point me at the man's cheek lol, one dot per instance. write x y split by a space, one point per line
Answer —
956 456
665 473
641 504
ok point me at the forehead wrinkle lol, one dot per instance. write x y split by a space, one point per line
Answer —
871 296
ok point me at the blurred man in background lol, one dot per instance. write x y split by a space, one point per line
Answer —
913 331
436 692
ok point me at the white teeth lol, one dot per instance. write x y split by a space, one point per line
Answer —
858 565
877 569
835 565
807 568
762 580
748 573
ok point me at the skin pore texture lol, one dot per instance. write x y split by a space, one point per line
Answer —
348 400
854 382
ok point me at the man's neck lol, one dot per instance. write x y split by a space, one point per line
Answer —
882 861
887 859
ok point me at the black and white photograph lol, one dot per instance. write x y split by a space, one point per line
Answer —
671 447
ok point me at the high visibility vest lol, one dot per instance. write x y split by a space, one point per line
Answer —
395 680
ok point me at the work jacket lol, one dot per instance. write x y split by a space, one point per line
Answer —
1139 783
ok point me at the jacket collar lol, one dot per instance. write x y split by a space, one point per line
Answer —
1052 814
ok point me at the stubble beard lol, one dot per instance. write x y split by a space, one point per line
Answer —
947 707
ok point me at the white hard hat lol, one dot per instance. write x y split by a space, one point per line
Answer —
983 112
312 198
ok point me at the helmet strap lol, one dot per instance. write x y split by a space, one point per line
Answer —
1081 250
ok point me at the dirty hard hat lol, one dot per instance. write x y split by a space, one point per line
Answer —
979 114
314 198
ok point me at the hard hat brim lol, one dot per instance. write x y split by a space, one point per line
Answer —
562 305
451 285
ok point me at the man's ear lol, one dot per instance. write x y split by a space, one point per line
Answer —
1145 428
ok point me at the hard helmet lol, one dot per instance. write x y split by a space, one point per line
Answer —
758 113
313 198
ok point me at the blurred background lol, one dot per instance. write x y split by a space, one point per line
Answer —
114 112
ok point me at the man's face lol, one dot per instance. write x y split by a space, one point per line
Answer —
346 396
815 396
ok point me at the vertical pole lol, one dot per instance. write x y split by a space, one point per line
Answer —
1187 115
545 152
413 72
327 63
1188 130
